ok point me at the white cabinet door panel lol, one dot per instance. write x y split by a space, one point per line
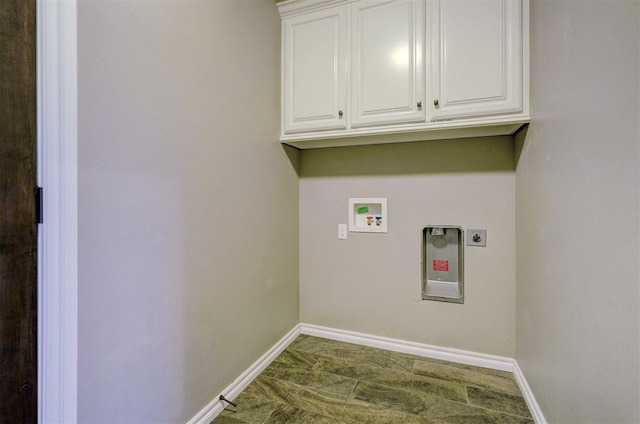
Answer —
387 66
476 57
314 71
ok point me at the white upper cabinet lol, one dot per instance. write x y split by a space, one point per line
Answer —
360 72
476 57
314 77
387 62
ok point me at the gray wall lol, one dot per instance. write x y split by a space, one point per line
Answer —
189 214
577 213
371 282
188 205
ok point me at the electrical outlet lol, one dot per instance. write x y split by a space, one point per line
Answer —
477 238
342 231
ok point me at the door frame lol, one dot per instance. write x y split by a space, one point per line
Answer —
57 173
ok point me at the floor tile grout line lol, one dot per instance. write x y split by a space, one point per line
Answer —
475 384
428 394
502 412
500 392
472 369
311 389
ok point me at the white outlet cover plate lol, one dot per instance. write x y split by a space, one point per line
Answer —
342 231
474 234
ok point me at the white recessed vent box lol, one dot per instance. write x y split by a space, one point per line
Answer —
442 264
368 214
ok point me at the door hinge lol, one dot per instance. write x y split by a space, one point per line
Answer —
38 196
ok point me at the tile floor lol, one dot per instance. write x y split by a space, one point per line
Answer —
323 381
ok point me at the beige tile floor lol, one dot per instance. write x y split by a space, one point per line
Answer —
317 380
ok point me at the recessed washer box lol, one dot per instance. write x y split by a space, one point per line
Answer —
368 214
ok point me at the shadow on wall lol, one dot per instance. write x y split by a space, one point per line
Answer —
294 156
520 141
471 155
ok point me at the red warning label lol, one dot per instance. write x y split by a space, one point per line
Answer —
440 265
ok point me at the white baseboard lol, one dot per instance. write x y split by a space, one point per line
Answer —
501 363
534 408
216 406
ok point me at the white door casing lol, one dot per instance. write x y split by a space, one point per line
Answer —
57 237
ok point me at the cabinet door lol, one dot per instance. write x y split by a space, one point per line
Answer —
314 77
476 57
387 64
